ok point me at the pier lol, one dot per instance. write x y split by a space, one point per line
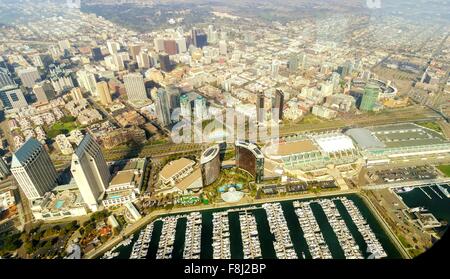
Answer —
284 248
425 193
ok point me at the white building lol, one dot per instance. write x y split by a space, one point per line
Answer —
33 170
135 87
90 171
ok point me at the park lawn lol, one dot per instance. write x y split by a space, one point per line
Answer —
61 128
445 169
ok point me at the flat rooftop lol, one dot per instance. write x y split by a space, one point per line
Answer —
295 147
174 167
188 180
122 177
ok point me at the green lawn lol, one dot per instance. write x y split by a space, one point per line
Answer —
445 169
431 125
64 126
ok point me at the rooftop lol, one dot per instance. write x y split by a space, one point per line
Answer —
188 180
25 152
174 167
123 177
295 147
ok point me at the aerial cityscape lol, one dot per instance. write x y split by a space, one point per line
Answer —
240 129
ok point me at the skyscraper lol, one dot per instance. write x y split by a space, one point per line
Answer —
76 94
4 170
293 63
143 60
96 54
33 170
165 63
199 39
44 91
162 107
88 81
135 87
113 47
90 171
275 68
12 97
370 97
5 78
201 111
278 104
173 94
170 47
134 50
103 93
260 107
181 44
29 76
185 105
223 47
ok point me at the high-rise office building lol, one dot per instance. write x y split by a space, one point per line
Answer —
33 170
113 47
302 60
87 81
164 62
4 170
260 113
223 47
97 54
370 97
275 68
44 92
162 107
90 171
181 44
201 111
199 39
170 47
278 104
28 76
62 83
103 93
143 60
135 87
173 94
159 44
12 97
5 78
76 94
293 63
185 106
134 50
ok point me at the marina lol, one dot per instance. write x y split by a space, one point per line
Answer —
335 227
433 198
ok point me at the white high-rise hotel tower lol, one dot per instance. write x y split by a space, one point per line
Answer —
33 170
90 171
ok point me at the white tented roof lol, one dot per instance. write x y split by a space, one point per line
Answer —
335 142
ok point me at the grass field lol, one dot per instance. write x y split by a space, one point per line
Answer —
64 126
445 169
431 125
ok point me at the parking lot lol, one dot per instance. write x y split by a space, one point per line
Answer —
402 174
